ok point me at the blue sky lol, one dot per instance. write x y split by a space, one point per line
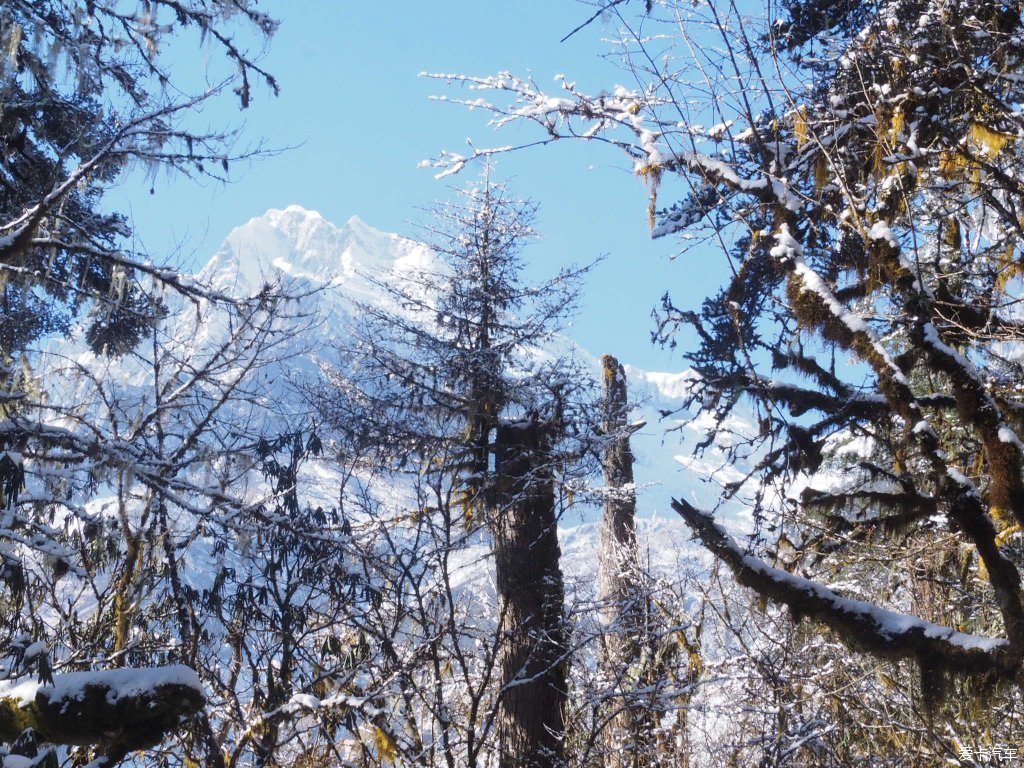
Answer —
358 120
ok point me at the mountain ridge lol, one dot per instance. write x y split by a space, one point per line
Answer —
300 245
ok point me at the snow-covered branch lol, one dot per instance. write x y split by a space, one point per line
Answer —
122 709
861 624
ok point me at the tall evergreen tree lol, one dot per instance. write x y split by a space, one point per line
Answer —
455 382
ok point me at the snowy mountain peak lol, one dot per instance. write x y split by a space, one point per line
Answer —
353 260
354 222
300 244
295 220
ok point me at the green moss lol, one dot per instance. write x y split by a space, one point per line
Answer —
15 718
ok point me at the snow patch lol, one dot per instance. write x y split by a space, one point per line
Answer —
881 231
121 683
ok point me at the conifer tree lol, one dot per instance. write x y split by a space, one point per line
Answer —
454 382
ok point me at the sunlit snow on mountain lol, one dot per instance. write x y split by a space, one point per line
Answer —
300 247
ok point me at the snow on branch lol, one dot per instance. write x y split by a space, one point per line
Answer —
862 624
626 118
125 708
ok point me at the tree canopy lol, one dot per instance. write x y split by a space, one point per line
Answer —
453 380
86 96
857 165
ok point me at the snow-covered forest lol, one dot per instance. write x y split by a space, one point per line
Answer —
346 498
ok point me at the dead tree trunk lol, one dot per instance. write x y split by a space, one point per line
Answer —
617 558
622 605
531 599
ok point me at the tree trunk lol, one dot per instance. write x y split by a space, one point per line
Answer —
617 558
622 607
531 600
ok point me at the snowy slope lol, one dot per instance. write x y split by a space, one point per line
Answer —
302 248
333 265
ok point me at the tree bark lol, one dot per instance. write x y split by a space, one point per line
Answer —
622 607
531 600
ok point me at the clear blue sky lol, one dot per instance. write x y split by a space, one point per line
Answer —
359 120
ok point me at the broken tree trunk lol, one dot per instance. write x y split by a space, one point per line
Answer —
622 607
531 597
617 557
119 710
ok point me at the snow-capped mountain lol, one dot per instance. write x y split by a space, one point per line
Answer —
300 247
336 269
